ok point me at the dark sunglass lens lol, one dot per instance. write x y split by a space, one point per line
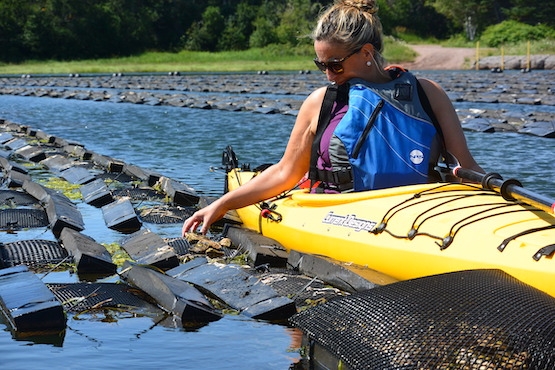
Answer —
321 66
335 67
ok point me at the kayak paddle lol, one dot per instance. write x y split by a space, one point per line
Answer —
510 189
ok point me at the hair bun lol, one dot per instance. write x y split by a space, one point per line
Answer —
369 6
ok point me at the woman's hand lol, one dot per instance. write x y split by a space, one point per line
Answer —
205 217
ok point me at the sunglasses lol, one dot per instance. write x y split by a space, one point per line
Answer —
334 65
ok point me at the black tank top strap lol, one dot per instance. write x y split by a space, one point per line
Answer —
333 93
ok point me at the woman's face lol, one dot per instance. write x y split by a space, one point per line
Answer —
340 64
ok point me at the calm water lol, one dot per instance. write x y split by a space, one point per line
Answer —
184 144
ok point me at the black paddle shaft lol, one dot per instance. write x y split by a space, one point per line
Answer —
510 189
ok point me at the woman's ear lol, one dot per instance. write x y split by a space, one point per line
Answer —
368 50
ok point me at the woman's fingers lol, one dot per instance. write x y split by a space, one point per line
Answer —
190 225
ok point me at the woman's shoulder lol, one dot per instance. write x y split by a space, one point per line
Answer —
427 82
310 109
431 88
316 97
318 93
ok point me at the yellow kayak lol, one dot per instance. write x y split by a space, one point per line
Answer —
412 231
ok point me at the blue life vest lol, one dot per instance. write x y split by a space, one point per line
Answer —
385 138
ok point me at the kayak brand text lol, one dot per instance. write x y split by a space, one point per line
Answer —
350 221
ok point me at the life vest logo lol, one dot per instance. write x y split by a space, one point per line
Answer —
416 156
350 221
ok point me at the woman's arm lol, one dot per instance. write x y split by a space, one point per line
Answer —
276 179
455 141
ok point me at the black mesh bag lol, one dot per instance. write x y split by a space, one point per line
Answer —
476 319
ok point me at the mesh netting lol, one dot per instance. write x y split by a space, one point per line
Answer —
78 297
34 253
139 194
304 290
7 197
480 319
165 214
22 218
180 246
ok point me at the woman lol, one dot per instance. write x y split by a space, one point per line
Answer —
348 43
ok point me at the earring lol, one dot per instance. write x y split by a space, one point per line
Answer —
368 63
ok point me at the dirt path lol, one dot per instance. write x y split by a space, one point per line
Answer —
433 57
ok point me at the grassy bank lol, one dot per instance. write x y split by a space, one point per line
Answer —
274 58
267 59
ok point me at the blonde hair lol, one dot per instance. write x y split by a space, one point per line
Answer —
351 23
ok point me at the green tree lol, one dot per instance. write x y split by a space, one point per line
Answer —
471 16
13 16
47 31
386 15
415 16
204 35
65 29
531 12
510 32
297 21
173 19
265 24
239 27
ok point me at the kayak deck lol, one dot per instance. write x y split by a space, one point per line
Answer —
413 231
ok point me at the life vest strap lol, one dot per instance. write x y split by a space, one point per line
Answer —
341 178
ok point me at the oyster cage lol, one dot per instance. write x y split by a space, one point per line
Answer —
476 319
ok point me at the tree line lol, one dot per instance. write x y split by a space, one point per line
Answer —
88 29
